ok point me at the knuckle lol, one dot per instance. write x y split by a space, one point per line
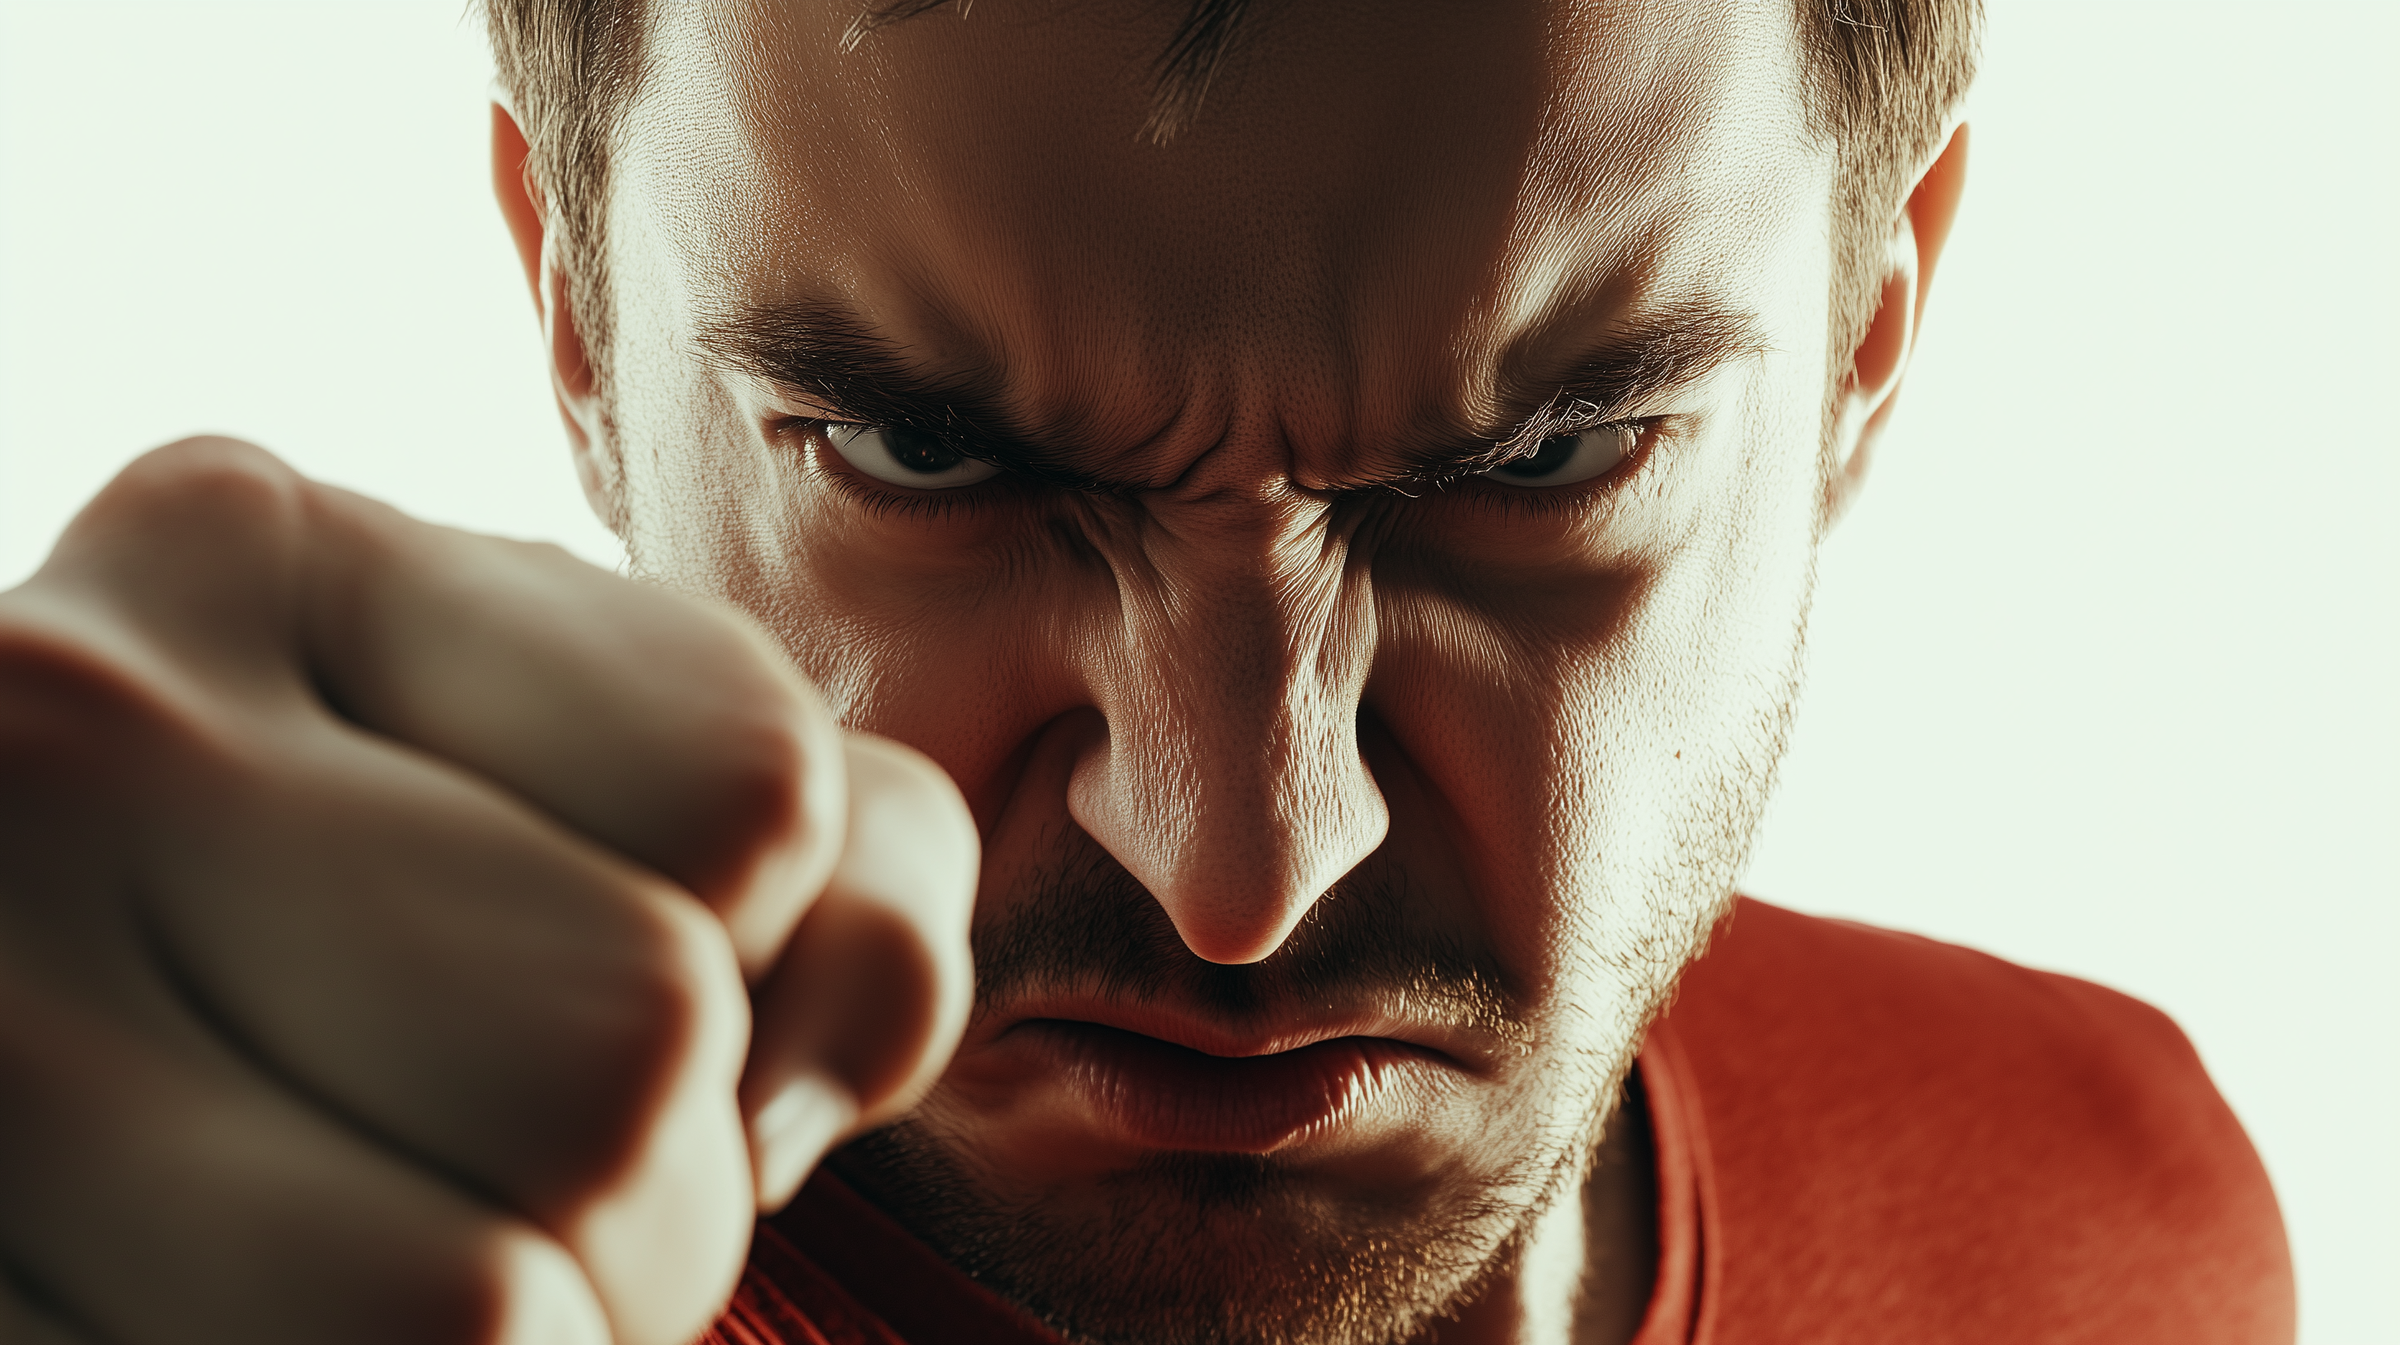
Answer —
691 988
759 782
768 798
672 1017
194 549
221 488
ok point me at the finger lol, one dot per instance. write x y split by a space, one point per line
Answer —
870 999
668 730
457 975
460 978
478 988
159 1190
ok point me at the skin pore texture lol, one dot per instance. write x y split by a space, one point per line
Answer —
1290 726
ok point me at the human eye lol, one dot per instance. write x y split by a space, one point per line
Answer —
910 459
1566 459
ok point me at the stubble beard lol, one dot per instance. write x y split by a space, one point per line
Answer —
1238 1249
1224 1249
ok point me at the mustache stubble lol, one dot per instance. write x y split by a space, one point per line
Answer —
1087 926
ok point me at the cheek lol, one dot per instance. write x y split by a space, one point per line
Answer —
1676 731
1598 735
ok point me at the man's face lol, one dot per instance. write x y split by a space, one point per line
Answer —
1348 807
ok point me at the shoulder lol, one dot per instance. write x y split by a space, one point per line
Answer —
1912 1140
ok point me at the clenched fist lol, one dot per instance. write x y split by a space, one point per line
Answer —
412 936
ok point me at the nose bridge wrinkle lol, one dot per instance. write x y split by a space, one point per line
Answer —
1230 781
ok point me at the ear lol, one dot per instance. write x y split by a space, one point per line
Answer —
526 208
1882 357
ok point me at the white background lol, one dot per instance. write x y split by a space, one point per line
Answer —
2104 665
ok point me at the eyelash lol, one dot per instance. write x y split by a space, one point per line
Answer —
1524 502
1516 501
877 501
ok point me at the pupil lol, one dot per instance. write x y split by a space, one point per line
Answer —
920 452
1548 458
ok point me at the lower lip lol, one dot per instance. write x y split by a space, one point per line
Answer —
1156 1094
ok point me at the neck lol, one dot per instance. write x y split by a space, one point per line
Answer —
1589 1265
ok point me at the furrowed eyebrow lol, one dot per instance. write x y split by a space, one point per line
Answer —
824 353
1630 368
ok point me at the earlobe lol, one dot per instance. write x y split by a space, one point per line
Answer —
525 207
1919 233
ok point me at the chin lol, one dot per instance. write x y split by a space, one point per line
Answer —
1195 1248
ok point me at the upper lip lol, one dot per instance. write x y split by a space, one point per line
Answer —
1272 1031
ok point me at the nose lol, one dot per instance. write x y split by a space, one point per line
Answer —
1229 780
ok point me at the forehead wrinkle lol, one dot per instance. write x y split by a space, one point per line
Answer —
1620 213
1138 405
1155 400
1631 126
1619 101
1106 382
1295 236
1647 138
1069 419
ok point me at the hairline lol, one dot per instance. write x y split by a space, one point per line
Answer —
1881 140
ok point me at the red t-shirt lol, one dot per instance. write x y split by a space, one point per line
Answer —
1862 1136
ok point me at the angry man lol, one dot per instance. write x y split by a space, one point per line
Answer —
1218 589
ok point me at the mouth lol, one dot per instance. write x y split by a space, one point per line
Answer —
1158 1095
1131 1079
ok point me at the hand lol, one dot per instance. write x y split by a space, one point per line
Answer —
382 910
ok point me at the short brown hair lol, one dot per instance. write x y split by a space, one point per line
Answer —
1883 78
